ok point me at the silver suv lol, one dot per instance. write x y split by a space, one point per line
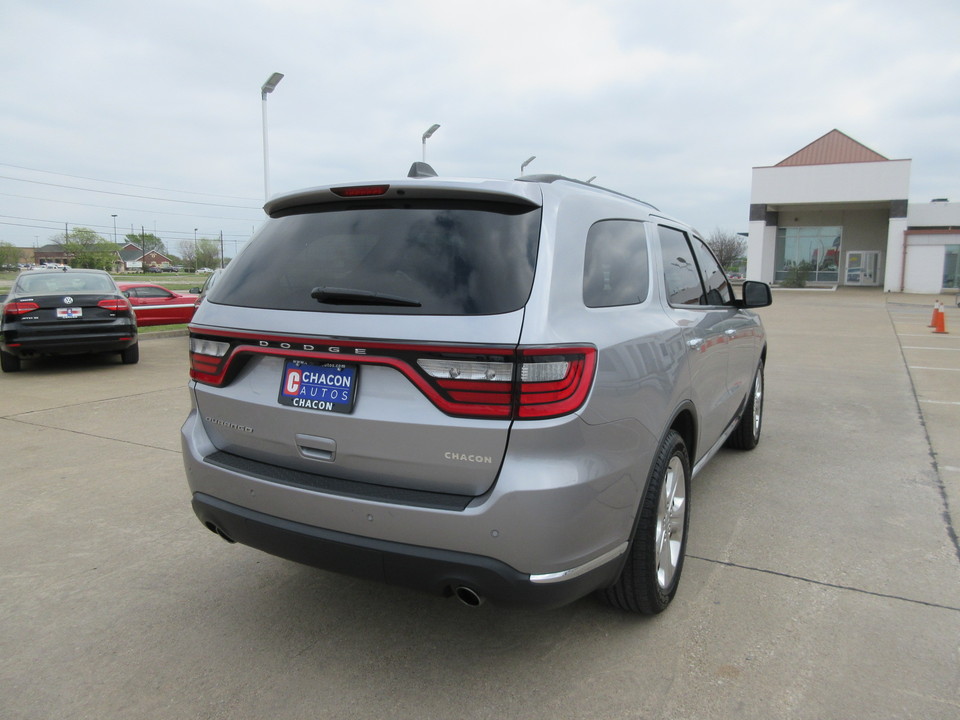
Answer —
479 388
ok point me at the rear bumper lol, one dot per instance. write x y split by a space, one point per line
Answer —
30 344
431 570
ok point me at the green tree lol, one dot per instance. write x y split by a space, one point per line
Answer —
205 252
87 249
9 254
151 241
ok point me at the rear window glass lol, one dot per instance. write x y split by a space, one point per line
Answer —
57 281
438 258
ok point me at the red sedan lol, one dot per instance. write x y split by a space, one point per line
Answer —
156 305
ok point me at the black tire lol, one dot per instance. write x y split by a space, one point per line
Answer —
747 434
130 356
651 573
9 362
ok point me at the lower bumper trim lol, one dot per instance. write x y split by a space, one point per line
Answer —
432 570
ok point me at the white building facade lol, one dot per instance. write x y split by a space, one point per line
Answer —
839 212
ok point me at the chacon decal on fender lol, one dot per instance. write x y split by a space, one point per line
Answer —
468 457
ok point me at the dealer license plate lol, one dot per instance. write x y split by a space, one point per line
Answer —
328 387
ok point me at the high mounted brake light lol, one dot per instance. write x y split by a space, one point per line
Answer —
531 383
360 191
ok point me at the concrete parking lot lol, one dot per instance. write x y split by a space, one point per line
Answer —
822 579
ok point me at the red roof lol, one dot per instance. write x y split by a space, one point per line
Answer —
833 148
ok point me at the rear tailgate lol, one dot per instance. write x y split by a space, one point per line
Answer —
388 430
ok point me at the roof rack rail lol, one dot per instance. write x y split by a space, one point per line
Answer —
548 178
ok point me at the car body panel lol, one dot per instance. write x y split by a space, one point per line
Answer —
157 305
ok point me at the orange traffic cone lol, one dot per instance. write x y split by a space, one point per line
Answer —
936 309
940 324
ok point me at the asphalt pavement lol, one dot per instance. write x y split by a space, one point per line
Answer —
822 579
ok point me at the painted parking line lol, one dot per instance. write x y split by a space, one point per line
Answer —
924 347
924 335
940 402
922 367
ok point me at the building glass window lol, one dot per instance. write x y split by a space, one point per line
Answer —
951 266
816 248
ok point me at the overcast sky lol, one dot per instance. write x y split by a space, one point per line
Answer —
152 110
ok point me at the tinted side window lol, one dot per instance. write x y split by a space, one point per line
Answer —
680 271
615 266
718 289
153 293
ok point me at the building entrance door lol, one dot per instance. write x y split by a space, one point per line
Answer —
863 268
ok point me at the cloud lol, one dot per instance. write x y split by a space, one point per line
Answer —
671 102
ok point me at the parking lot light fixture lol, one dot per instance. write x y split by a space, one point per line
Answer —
268 87
429 133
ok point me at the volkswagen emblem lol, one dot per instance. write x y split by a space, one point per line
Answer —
68 300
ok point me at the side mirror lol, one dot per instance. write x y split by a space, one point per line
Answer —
126 293
756 294
194 291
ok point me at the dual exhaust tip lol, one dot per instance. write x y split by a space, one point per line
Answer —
465 594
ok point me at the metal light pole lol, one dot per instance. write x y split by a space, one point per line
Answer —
268 87
196 252
526 162
429 133
114 216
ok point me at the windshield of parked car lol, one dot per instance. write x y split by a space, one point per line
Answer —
439 258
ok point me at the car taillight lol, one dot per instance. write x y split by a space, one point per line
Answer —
115 304
208 360
528 383
554 381
19 308
535 384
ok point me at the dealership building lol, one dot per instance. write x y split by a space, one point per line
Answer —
839 212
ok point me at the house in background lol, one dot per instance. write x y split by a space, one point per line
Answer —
842 209
51 253
132 257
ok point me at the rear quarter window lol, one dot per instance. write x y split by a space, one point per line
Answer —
616 266
448 257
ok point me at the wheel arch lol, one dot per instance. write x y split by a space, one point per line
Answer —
684 422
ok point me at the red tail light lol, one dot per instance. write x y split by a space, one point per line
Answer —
486 382
559 380
208 360
115 304
19 308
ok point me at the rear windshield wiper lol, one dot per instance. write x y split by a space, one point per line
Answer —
346 296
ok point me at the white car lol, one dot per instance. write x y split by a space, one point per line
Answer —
204 271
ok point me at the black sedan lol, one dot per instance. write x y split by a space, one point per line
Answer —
66 312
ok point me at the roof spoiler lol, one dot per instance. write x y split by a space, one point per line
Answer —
421 170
